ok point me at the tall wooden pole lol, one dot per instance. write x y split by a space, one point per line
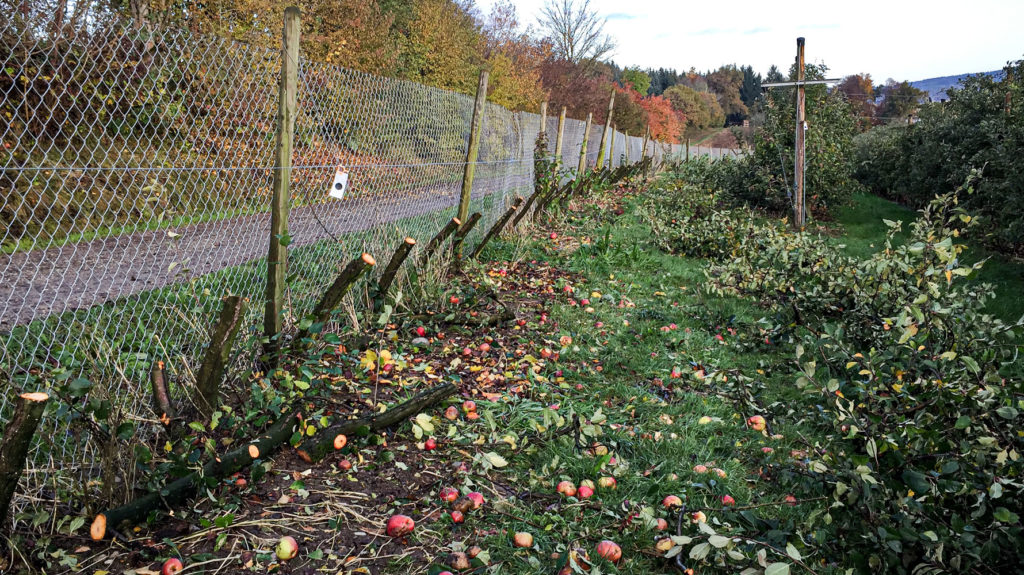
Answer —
558 140
687 149
626 140
583 147
606 133
611 150
543 118
801 133
474 146
277 256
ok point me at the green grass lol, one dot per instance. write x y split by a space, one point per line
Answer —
653 429
864 233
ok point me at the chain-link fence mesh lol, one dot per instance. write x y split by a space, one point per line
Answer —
136 172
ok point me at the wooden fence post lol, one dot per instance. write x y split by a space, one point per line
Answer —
474 146
607 130
687 149
558 141
611 150
626 139
583 147
28 410
277 256
543 118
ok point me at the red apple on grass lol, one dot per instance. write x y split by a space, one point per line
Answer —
672 501
421 331
609 550
756 422
458 516
449 494
477 498
522 539
607 483
585 492
728 501
566 488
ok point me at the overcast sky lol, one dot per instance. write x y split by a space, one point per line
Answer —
897 39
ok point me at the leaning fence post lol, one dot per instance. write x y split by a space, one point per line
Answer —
474 145
460 237
583 147
604 135
28 410
277 256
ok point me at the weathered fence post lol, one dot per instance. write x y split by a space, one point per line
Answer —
607 130
277 256
543 118
473 152
28 410
611 150
626 140
558 140
583 147
687 149
211 371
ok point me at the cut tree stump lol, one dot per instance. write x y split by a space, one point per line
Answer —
177 492
496 228
334 294
28 410
435 242
211 371
317 447
388 277
162 405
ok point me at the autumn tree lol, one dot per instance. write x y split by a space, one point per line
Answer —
859 90
701 109
726 82
629 115
637 78
899 100
576 31
665 122
512 57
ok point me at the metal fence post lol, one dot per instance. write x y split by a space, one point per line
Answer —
277 256
474 146
583 147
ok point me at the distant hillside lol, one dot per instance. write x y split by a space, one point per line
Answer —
936 87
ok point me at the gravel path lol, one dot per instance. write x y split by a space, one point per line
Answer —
39 283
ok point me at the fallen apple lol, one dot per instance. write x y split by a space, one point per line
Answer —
287 548
566 488
585 492
477 498
700 468
699 517
661 524
756 422
663 545
430 444
449 494
452 413
458 516
171 566
453 300
340 441
671 501
607 483
458 561
345 465
421 331
522 539
469 406
485 347
609 550
473 551
727 500
400 525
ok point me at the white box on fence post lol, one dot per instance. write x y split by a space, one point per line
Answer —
339 185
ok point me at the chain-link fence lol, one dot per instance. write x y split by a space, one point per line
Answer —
136 172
